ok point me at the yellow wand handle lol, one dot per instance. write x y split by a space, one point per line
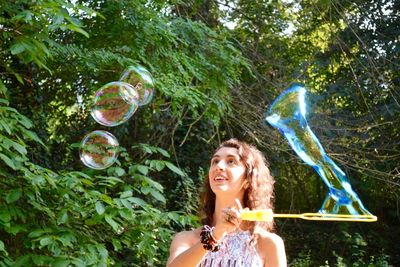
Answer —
257 215
267 215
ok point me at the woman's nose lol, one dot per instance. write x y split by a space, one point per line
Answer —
221 165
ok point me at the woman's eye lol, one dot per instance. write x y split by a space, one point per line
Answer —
231 162
214 162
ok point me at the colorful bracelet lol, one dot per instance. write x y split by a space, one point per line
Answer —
208 240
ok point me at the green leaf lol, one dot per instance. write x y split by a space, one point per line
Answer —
160 165
40 232
173 168
143 169
157 195
106 199
5 126
15 229
111 222
3 89
126 194
138 201
116 243
173 216
42 260
100 207
17 48
13 196
46 241
126 203
2 247
8 161
19 78
146 149
19 148
23 261
61 263
25 121
75 28
62 217
119 171
163 152
33 136
102 251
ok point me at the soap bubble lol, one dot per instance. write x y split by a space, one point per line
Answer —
114 103
140 78
288 114
99 150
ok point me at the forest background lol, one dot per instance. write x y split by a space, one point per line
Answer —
217 67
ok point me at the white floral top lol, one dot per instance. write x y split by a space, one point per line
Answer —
235 251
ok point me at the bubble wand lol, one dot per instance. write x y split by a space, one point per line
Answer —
267 215
288 114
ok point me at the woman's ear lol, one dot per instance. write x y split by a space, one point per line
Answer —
245 184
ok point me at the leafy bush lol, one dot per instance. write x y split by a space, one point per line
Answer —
72 218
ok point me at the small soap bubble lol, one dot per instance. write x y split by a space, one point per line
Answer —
99 150
141 79
114 104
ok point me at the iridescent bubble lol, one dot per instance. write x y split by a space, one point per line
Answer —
99 150
288 114
140 78
114 103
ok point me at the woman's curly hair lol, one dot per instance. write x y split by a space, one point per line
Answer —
259 193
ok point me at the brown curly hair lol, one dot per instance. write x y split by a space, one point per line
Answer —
259 193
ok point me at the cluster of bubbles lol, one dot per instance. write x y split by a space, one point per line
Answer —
114 104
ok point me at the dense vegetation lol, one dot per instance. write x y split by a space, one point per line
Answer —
217 65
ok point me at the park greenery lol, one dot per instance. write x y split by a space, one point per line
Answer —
217 65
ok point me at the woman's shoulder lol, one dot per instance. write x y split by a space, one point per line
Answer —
271 248
268 238
188 237
182 241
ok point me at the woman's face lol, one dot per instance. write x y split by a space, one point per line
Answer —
227 172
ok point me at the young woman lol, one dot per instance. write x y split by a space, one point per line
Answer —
238 177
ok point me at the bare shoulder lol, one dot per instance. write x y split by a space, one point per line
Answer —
269 239
183 241
187 237
271 248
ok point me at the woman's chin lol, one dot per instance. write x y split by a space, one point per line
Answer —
224 189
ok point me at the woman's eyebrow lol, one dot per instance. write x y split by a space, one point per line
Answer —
227 156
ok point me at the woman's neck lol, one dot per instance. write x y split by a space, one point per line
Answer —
223 203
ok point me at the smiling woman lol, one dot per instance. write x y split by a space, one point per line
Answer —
238 177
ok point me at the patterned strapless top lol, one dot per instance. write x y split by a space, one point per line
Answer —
235 251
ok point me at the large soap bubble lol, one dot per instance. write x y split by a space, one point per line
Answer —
114 103
99 150
141 79
288 114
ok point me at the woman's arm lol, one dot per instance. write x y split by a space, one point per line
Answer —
186 250
272 249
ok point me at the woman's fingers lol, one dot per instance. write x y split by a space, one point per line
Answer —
232 216
239 205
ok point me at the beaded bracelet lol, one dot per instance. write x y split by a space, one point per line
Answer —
208 240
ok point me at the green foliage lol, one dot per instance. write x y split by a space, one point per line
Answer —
27 27
72 218
212 83
353 252
56 213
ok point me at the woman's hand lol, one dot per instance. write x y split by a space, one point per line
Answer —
230 220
